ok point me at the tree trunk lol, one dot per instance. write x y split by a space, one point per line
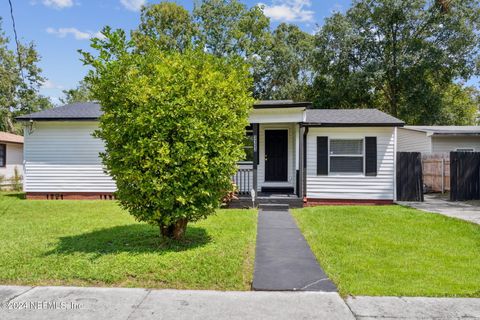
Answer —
175 230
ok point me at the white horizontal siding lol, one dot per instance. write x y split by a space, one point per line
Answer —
413 141
447 144
348 186
14 160
64 157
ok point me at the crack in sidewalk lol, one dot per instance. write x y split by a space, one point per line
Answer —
20 294
313 283
136 306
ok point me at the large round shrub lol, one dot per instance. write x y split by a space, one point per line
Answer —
173 127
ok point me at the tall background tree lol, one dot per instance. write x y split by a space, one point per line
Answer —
400 57
20 82
81 93
182 119
229 28
279 60
166 25
289 64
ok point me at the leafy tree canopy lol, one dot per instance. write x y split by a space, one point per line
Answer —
20 81
228 28
173 127
166 25
290 64
397 56
79 94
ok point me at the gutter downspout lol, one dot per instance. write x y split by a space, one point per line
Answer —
303 161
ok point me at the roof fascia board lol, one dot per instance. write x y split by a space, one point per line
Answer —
332 125
57 119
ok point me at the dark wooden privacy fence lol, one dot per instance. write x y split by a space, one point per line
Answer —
409 176
464 176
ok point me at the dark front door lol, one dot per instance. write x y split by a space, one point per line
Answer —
276 155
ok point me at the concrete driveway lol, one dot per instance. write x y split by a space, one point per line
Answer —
438 203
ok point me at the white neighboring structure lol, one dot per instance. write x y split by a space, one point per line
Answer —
11 155
438 139
62 156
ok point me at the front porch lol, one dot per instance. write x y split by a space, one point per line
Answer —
267 200
271 173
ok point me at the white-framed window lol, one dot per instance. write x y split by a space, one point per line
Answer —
248 146
346 156
3 155
465 150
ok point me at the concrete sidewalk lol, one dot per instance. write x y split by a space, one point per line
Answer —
414 308
59 303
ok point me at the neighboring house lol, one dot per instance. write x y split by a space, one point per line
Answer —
11 155
316 155
439 139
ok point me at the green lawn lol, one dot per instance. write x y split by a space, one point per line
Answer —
97 243
394 251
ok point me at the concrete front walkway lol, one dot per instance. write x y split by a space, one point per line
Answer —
438 203
283 259
64 303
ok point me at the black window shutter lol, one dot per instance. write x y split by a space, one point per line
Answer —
371 156
322 156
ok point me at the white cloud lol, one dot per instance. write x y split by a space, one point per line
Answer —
77 34
48 84
98 35
58 4
133 5
289 10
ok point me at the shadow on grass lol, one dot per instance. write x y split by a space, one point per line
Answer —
18 195
133 238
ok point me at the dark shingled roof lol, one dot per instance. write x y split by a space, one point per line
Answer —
74 111
91 110
318 117
350 117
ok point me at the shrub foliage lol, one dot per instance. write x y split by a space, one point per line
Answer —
173 126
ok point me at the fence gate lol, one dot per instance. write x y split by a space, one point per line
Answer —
464 176
409 176
436 172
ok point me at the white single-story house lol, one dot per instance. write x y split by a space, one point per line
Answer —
439 139
11 156
312 155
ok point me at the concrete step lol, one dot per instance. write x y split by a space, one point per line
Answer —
273 206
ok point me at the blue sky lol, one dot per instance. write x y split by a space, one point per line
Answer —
60 27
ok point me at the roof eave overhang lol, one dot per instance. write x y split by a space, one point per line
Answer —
57 119
330 125
306 105
456 134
